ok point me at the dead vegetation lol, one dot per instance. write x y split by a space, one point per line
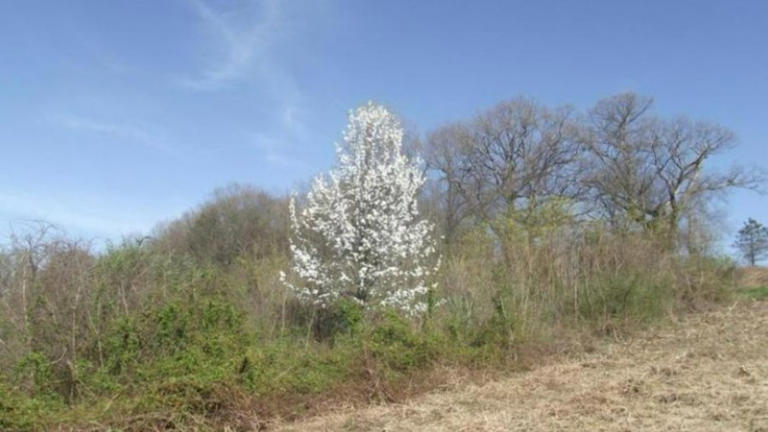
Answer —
753 276
704 372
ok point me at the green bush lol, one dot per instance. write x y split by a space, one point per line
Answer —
20 412
624 298
35 371
398 346
164 338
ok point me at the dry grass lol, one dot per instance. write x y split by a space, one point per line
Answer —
753 276
705 372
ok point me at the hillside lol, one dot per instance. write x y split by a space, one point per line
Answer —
705 372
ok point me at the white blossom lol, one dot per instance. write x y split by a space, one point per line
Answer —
359 234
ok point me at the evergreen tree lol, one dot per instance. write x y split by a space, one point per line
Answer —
752 241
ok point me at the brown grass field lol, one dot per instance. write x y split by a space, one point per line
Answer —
705 372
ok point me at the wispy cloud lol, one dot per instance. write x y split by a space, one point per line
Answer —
135 133
244 38
276 150
245 41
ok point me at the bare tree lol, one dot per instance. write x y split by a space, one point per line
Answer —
621 177
446 154
44 284
26 255
238 221
507 162
651 171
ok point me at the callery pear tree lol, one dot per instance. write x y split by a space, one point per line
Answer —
358 234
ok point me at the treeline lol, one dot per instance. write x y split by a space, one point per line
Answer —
551 221
618 163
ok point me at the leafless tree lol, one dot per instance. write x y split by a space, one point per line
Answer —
239 220
651 171
445 154
507 162
45 282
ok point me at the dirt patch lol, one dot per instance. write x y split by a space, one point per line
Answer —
706 372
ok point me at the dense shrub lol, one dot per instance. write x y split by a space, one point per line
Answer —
146 335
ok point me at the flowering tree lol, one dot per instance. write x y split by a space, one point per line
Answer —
359 235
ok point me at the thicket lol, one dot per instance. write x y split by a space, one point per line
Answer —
191 326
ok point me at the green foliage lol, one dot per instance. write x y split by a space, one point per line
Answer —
122 345
286 366
343 317
20 412
35 371
624 297
757 293
398 347
501 328
164 339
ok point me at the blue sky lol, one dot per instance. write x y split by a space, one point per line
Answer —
115 115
